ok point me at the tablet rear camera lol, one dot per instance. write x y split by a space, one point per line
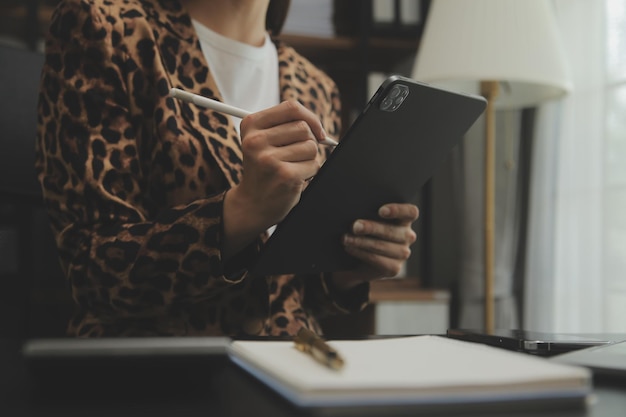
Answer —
394 98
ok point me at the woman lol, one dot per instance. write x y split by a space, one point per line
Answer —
160 207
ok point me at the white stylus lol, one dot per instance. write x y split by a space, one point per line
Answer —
221 107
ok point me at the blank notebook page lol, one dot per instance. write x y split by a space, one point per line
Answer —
418 364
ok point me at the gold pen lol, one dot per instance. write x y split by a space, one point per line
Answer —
308 342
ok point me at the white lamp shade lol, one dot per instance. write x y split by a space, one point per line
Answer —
514 42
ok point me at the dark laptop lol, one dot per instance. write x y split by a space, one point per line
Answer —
537 343
155 367
609 359
124 347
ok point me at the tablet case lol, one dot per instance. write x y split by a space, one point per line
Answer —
386 156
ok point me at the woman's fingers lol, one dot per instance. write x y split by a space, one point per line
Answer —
379 246
394 226
378 266
392 232
280 153
399 212
383 245
285 113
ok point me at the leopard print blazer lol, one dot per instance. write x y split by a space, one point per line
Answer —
134 181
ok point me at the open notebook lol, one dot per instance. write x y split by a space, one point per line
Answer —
424 371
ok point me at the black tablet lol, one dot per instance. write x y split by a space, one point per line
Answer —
387 155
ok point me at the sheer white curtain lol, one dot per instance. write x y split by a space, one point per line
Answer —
576 259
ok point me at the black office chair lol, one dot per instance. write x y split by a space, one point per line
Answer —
34 300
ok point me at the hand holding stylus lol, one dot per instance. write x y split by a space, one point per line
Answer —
223 108
280 153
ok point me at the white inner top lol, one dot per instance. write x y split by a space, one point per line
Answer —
246 75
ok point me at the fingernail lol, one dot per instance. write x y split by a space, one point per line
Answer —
358 226
322 134
384 211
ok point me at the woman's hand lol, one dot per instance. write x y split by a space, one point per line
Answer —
382 245
280 153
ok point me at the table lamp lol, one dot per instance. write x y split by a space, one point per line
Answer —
511 48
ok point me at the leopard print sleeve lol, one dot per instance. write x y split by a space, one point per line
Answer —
135 234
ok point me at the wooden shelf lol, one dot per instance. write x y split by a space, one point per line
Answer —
347 53
347 43
18 21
